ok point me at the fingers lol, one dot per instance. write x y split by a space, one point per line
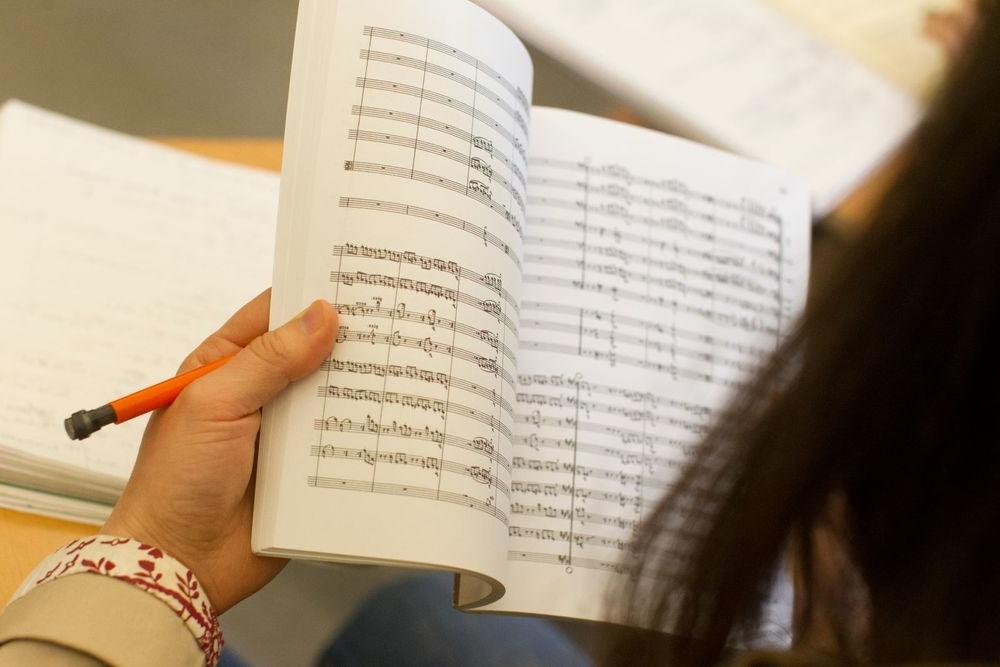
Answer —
249 322
266 365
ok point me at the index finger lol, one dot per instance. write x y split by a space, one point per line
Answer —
246 324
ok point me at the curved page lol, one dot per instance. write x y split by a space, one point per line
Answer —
406 210
657 275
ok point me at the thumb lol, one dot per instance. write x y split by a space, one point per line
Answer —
268 364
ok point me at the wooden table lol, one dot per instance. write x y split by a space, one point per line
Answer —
25 538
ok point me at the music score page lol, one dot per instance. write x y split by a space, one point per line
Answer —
411 221
658 274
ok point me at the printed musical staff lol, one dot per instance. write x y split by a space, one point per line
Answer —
612 566
488 238
654 327
452 296
482 143
660 189
583 517
444 100
428 346
677 249
427 493
444 72
489 280
628 278
412 372
493 146
480 66
417 403
701 261
433 463
418 399
476 163
590 458
586 472
404 430
434 321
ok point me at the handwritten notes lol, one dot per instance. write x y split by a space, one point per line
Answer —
109 275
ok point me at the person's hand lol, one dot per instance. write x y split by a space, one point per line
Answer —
191 492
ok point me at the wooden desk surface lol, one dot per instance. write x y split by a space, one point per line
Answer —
25 539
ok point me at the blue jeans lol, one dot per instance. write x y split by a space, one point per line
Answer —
411 622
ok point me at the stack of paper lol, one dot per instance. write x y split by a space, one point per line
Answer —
118 257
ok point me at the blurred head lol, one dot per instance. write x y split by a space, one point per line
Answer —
871 442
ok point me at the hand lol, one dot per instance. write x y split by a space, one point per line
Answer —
191 491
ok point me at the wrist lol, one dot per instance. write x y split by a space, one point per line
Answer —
126 525
142 566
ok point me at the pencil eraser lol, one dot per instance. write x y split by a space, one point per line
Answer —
78 426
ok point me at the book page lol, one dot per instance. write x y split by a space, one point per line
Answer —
109 276
733 73
887 36
409 218
658 274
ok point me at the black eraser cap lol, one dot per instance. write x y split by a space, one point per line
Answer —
78 426
81 424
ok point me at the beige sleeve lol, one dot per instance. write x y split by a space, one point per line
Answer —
88 619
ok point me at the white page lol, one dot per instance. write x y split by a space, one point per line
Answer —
657 274
406 216
119 257
55 506
733 73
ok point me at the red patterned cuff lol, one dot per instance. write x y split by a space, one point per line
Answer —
141 565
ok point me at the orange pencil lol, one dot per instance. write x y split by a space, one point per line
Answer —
81 424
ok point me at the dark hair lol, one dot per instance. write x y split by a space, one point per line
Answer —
886 399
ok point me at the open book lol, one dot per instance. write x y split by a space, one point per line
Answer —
540 311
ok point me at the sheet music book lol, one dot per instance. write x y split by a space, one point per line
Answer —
825 89
540 311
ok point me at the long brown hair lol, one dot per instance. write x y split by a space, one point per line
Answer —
887 398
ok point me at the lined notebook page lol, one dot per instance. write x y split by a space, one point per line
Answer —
657 275
409 218
118 257
734 73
